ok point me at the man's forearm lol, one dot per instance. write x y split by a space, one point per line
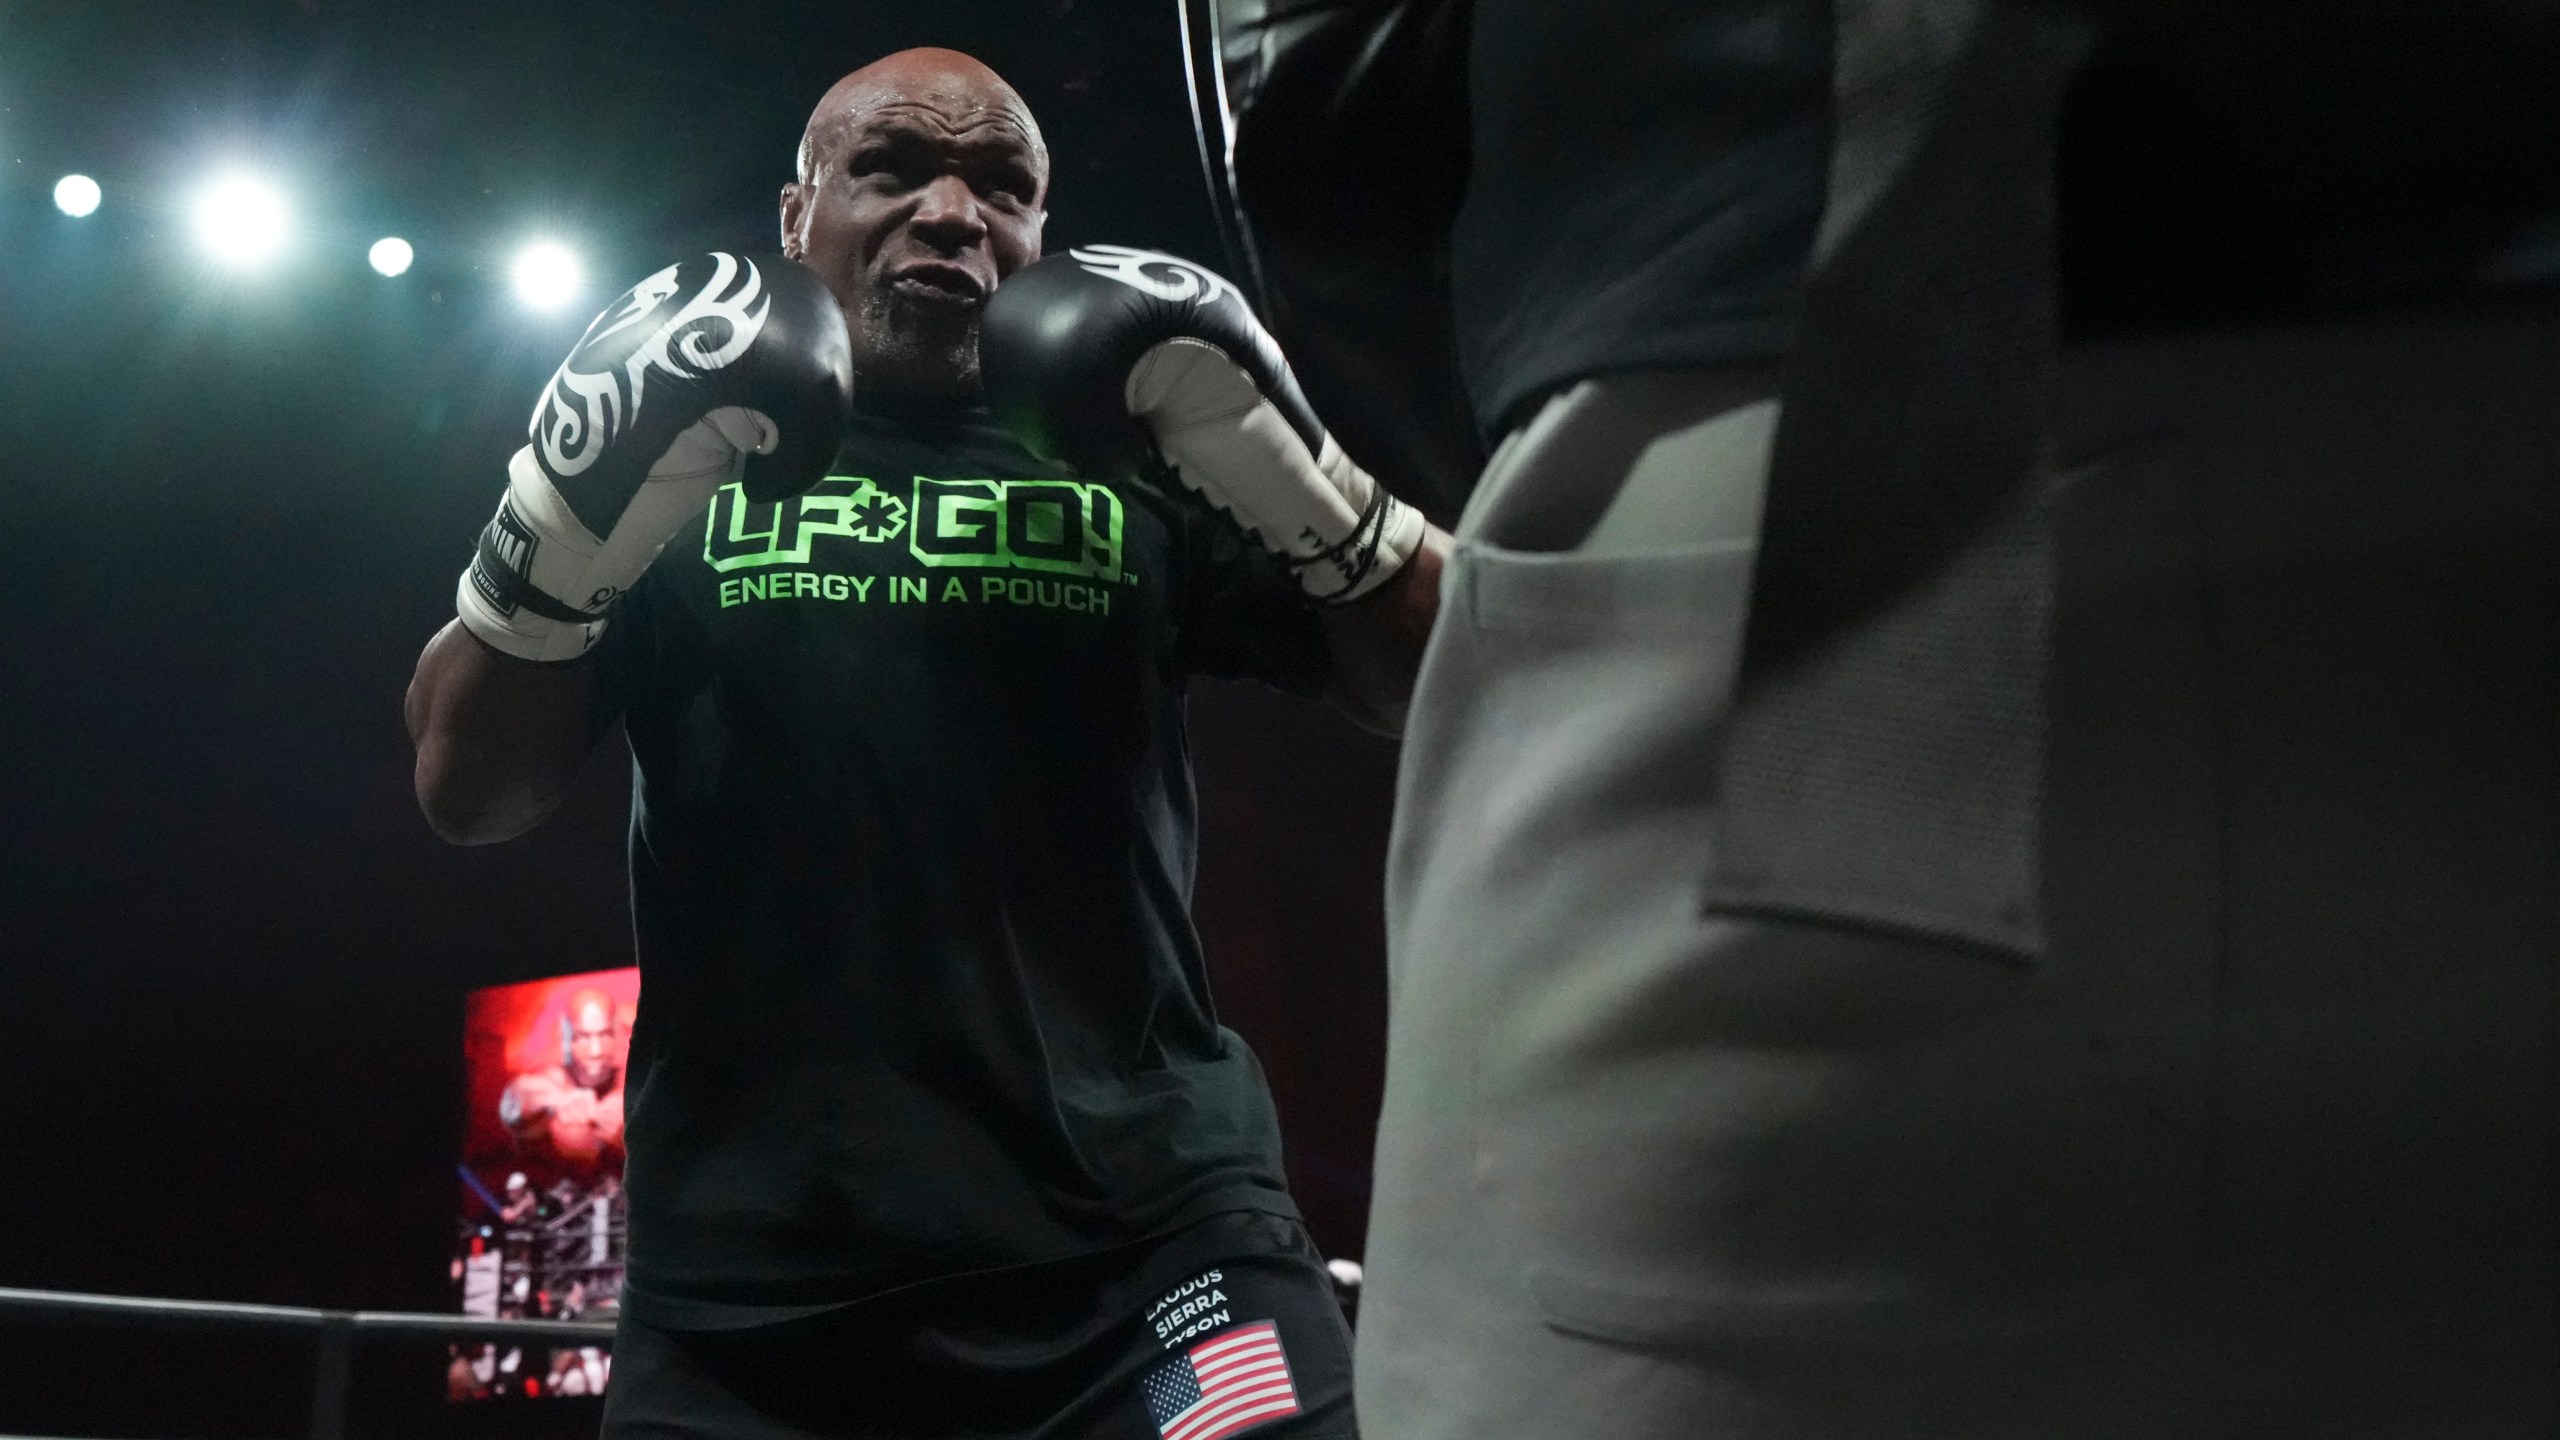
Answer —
1377 639
499 740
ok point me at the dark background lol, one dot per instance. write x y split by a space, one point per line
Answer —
232 959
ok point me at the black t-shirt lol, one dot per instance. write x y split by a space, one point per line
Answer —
911 864
1646 181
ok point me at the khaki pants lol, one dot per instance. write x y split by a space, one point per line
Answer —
2263 1147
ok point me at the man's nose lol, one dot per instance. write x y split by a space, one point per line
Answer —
947 214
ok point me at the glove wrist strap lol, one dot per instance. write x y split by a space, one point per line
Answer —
501 601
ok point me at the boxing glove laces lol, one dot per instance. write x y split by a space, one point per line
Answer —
1111 360
667 396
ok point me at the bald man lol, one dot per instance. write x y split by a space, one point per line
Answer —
914 263
932 1128
576 1105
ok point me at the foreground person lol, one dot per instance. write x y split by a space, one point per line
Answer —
1792 1034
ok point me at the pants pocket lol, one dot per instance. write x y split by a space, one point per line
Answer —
1777 1130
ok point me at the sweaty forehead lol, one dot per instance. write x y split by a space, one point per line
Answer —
970 123
929 95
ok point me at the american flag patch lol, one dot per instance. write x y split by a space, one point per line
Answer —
1227 1384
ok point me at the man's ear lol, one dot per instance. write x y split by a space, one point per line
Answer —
795 209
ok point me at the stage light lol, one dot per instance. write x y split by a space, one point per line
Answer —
547 275
390 255
241 220
75 195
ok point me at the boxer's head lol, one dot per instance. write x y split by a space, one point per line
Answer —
591 1041
921 184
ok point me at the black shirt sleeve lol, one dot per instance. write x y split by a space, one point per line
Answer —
1243 615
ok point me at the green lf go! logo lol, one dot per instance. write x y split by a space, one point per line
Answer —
1057 527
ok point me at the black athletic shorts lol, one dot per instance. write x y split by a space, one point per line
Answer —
1225 1328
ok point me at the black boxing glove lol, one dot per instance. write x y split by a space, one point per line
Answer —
1105 357
670 390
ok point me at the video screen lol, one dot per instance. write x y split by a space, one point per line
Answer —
542 1232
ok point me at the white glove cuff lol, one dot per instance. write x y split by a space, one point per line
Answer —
532 553
541 582
1388 535
1333 524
